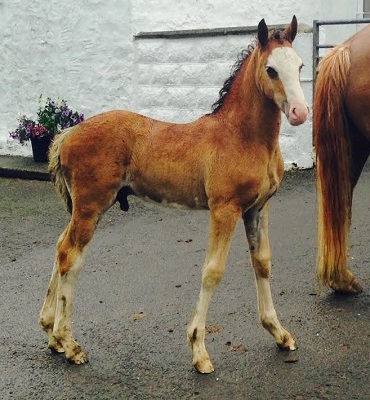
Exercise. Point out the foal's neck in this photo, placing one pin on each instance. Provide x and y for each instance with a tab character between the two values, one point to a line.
251	113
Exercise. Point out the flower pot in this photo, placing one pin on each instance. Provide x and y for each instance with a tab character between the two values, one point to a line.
40	148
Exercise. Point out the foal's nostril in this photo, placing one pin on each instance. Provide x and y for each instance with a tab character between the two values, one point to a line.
293	113
298	113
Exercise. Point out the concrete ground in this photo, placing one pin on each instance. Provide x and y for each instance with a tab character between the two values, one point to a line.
138	289
23	168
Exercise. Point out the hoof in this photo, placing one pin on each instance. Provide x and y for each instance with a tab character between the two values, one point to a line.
56	348
288	344
78	357
352	287
204	367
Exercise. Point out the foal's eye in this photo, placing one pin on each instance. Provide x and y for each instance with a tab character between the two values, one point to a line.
271	72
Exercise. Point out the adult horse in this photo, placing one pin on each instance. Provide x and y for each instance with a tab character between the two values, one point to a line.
228	161
342	141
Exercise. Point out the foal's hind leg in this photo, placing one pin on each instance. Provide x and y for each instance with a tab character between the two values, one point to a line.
47	314
222	226
55	316
69	258
256	227
62	332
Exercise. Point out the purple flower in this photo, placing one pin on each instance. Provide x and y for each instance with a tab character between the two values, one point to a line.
53	116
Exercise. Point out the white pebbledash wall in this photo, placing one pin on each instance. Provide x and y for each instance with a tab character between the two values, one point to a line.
90	53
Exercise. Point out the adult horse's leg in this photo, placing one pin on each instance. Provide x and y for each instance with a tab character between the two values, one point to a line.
344	281
337	272
360	150
222	227
256	227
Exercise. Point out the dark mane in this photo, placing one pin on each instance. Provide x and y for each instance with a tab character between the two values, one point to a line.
244	54
224	91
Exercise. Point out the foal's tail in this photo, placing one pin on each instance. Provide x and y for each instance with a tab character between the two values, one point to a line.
333	163
55	167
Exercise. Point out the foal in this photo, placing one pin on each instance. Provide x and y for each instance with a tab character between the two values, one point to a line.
228	162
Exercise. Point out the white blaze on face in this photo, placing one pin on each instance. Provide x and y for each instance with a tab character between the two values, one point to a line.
286	62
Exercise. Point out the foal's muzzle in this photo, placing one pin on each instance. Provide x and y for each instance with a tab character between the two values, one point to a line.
297	112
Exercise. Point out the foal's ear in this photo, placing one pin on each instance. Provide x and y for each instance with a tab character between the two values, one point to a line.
291	30
263	33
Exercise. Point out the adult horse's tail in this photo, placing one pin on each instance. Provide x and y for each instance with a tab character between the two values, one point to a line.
333	163
55	167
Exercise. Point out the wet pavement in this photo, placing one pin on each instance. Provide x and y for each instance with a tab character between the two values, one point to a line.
138	289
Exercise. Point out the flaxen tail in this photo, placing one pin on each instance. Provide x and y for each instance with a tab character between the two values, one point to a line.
55	167
333	163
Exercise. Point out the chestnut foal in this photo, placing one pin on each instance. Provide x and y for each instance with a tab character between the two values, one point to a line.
228	161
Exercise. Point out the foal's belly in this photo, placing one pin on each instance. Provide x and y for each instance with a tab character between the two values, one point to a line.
179	197
195	204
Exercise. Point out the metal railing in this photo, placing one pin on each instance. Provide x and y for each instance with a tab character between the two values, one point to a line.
316	39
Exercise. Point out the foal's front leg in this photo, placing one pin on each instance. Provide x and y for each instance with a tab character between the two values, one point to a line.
256	227
222	227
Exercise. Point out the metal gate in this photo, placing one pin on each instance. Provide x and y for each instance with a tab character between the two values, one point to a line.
316	39
316	46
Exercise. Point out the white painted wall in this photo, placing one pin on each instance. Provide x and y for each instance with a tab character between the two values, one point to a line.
79	51
86	54
147	15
